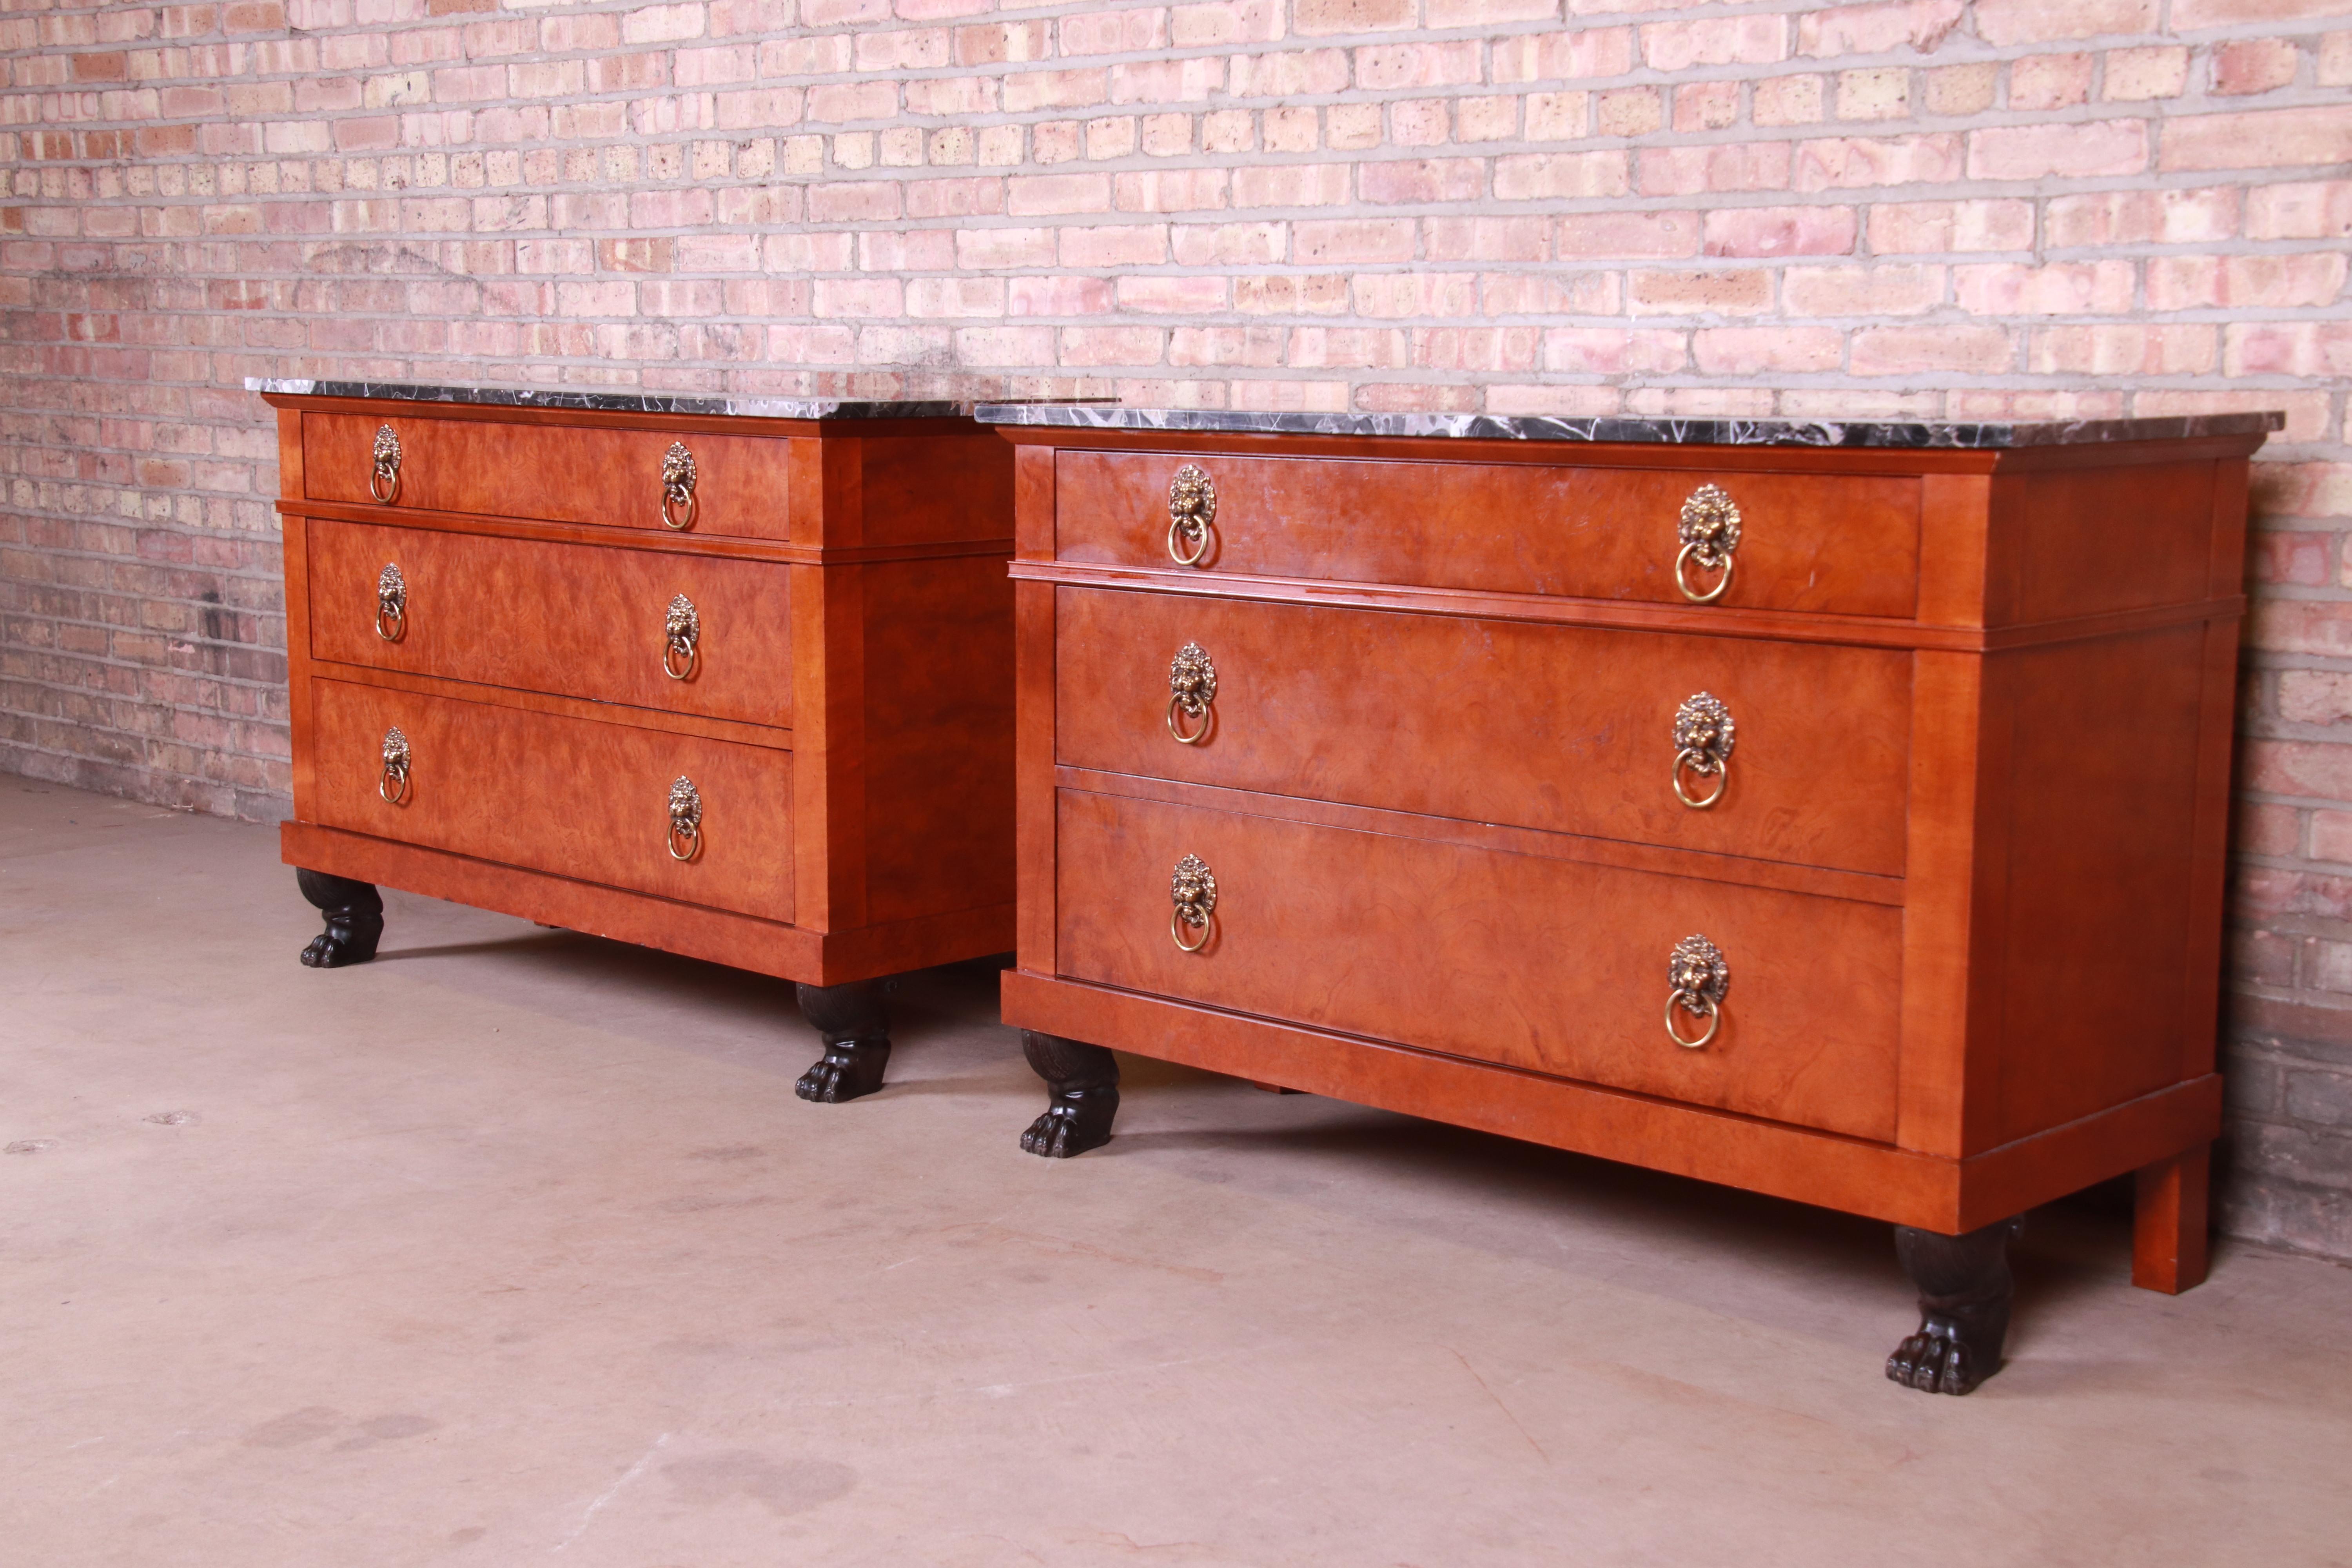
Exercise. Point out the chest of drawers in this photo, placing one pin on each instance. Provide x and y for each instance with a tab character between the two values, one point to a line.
1836	813
728	679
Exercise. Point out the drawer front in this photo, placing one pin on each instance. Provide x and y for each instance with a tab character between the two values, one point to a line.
566	618
1841	544
559	473
1570	728
572	796
1548	966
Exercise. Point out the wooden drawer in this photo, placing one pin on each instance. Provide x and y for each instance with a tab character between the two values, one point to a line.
1553	966
581	799
559	473
566	618
1568	729
1841	544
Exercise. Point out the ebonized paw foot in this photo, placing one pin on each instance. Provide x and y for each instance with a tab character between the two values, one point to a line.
355	912
1082	1081
857	1029
1965	1292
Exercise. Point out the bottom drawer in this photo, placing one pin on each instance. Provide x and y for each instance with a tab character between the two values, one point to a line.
572	796
1555	966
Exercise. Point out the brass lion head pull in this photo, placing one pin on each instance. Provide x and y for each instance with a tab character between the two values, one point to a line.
1191	508
1192	686
681	639
383	479
1193	889
677	502
1709	530
391	603
685	819
1699	977
1702	739
393	783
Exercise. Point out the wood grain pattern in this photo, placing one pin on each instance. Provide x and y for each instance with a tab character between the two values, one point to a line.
1809	541
564	618
1570	730
587	800
1547	965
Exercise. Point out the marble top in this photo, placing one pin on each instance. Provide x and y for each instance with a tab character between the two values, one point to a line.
1690	432
616	401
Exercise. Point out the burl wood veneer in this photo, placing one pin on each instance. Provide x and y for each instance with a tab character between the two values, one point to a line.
731	684
1838	821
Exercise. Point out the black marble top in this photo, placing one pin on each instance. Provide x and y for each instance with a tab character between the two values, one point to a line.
1691	432
726	406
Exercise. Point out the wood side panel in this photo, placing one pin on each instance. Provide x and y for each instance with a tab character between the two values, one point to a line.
1940	908
565	618
2101	872
1709	1145
935	489
938	736
2115	539
1567	730
1552	966
295	535
1033	770
1032	503
586	800
1954	510
290	454
562	473
2227	577
1810	541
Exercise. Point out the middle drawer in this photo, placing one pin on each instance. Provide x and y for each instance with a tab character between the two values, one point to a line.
577	620
1567	729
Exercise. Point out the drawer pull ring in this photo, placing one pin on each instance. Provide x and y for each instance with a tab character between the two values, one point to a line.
1710	532
682	639
677	502
1702	738
685	819
383	479
1699	977
393	784
391	603
1191	685
1191	508
1194	890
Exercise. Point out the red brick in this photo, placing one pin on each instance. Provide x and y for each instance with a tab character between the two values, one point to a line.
2275	138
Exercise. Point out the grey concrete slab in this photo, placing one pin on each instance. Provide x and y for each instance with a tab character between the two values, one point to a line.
515	1246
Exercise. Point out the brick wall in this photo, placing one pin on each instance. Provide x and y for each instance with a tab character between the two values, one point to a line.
2014	208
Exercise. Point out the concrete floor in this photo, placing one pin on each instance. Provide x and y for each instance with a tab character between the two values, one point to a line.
515	1246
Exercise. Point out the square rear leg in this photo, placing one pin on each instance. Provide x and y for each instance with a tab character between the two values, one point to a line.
2168	1222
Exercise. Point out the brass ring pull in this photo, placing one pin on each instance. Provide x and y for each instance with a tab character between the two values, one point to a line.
1191	508
1192	686
1194	890
1709	529
391	603
679	505
1699	979
1703	740
383	479
685	819
681	639
1701	1006
393	783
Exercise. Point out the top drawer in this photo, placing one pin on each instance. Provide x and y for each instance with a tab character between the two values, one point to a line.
559	473
1843	544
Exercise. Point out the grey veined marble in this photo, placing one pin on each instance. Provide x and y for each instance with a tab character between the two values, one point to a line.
1690	432
615	402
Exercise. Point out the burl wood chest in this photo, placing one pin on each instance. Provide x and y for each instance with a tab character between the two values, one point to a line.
731	679
1834	812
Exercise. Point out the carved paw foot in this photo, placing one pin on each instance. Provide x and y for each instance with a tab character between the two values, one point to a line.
1071	1127
1935	1359
343	942
355	912
847	1070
